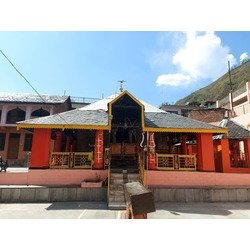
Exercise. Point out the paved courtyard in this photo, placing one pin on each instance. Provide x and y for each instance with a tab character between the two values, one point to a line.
92	210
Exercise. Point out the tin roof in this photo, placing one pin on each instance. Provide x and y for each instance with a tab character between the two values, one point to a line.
235	130
31	98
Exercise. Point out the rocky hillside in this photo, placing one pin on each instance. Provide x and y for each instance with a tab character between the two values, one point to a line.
218	89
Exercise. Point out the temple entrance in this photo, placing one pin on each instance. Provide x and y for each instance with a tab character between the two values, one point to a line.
126	132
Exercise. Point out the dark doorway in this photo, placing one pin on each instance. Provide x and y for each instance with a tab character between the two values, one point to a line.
13	147
125	134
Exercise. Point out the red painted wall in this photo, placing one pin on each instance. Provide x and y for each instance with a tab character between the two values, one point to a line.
183	178
223	163
205	153
51	177
40	152
225	155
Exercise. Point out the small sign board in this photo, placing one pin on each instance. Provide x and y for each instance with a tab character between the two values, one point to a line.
139	198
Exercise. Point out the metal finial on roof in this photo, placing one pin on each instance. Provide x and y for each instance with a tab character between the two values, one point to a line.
121	85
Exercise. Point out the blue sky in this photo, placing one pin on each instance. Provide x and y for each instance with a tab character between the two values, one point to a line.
157	66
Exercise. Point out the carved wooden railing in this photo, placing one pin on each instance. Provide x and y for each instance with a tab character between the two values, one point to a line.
187	162
166	161
71	160
107	158
108	182
176	162
141	163
28	159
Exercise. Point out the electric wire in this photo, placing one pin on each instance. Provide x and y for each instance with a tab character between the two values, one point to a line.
28	82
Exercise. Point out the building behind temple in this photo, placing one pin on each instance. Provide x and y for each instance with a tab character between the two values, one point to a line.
15	145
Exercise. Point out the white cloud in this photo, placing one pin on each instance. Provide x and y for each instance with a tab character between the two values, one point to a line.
173	79
243	56
201	57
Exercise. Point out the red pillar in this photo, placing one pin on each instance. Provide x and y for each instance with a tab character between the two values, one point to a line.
68	143
151	151
40	152
58	142
73	146
247	150
98	155
184	144
225	157
205	153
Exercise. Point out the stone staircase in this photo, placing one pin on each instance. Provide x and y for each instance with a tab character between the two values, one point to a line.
116	199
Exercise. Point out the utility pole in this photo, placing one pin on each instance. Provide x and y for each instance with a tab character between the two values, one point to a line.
230	91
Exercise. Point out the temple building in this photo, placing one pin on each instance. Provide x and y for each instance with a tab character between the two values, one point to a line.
119	139
117	132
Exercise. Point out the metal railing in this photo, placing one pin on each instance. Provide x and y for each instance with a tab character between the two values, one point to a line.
78	99
71	160
176	162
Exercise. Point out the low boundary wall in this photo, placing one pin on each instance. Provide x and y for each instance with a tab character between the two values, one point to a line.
199	179
51	194
198	194
51	177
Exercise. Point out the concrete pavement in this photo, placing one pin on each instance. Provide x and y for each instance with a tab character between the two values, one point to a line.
97	210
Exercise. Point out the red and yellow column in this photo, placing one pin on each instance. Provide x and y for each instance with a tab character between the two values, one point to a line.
151	151
98	154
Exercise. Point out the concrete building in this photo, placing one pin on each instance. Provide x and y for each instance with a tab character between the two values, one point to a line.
177	109
240	104
14	107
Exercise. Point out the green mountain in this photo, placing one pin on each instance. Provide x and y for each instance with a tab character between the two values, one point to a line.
219	89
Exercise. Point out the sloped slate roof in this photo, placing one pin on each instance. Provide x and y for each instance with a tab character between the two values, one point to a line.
169	120
31	98
103	104
96	115
73	117
235	130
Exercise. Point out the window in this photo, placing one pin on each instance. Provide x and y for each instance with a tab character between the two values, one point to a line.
172	112
27	142
39	113
2	141
15	115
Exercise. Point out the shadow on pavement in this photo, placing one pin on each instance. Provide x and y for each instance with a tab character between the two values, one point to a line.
77	205
199	208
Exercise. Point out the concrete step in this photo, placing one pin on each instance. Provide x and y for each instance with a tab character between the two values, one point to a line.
116	188
117	205
116	175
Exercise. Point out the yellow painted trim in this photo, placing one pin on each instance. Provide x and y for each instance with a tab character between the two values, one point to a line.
130	95
61	126
133	98
187	130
